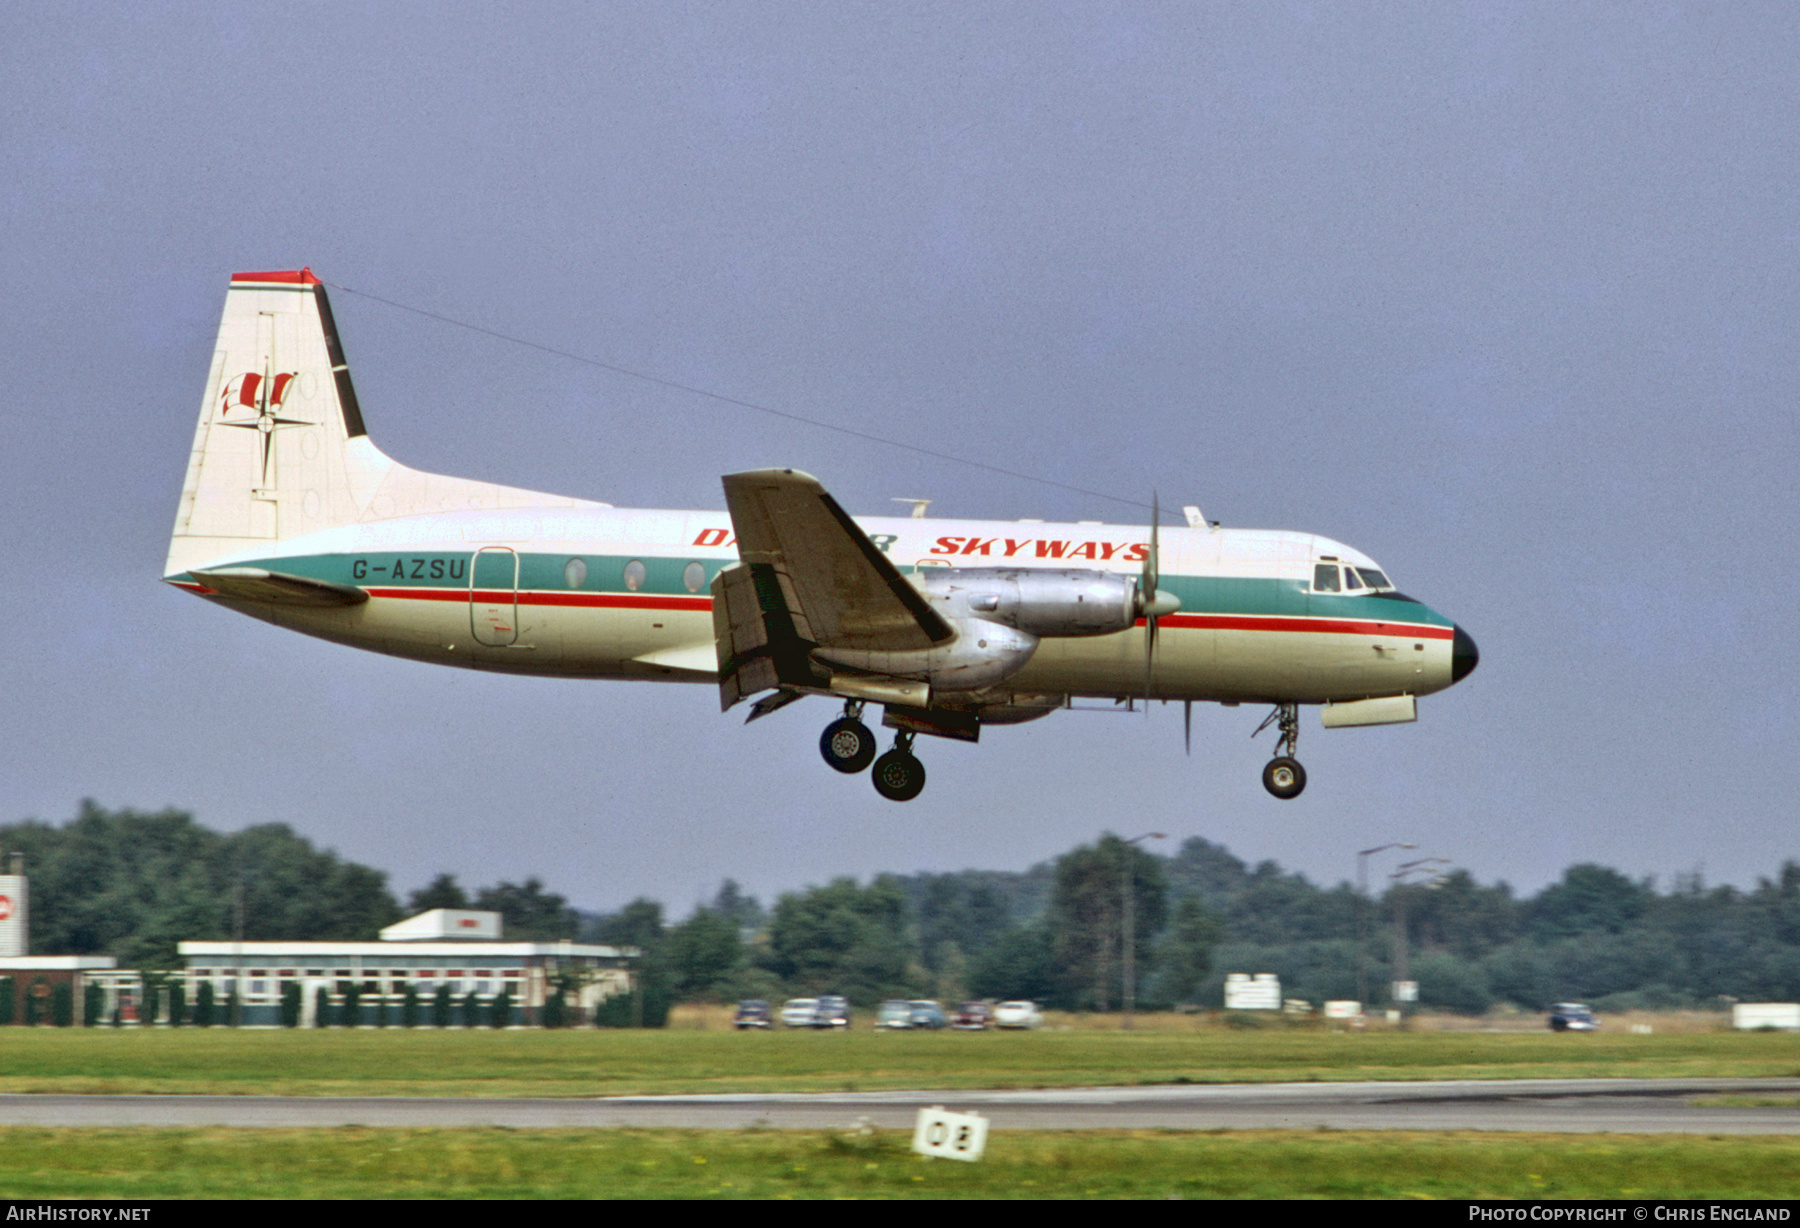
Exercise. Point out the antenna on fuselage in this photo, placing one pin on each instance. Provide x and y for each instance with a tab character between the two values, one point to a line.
918	506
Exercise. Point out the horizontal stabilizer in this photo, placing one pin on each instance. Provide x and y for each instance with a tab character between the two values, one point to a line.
276	587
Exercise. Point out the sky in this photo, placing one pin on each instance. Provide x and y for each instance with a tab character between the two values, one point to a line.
1504	295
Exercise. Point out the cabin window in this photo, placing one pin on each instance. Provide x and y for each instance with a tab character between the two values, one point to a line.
575	573
1325	578
694	577
634	575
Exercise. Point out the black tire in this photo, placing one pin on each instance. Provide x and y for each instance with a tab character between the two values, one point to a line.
1284	777
898	776
847	745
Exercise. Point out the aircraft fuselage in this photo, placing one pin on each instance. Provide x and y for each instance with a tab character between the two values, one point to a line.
554	592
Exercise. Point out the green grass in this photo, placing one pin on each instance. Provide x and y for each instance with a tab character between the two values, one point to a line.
491	1163
621	1163
396	1062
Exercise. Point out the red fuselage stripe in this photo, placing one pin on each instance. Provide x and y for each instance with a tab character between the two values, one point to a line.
649	601
504	596
1330	626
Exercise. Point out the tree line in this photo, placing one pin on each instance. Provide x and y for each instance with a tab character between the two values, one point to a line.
132	885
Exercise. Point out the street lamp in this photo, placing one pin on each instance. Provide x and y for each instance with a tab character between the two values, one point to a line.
1431	878
1362	919
1129	934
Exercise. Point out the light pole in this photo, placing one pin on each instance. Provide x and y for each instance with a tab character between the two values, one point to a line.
1362	920
1128	936
1398	878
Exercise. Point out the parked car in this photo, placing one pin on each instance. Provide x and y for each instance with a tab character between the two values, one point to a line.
799	1012
1572	1017
1017	1015
832	1012
894	1014
925	1015
753	1013
973	1017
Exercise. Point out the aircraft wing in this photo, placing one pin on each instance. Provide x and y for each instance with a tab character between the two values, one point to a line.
809	578
848	591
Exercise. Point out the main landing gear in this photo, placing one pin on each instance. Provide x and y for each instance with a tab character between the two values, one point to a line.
848	745
1284	777
898	776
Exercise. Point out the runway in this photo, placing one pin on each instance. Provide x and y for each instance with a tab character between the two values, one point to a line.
1631	1106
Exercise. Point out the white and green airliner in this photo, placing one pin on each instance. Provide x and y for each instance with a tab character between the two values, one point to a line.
292	515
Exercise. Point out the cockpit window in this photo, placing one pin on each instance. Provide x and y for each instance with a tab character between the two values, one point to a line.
1351	583
1325	578
1373	578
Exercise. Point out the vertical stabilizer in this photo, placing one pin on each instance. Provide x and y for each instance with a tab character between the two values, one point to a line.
281	451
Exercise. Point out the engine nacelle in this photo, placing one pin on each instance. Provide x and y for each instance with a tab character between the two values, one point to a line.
982	654
1038	601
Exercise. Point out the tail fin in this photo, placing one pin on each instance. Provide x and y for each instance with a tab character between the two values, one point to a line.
281	450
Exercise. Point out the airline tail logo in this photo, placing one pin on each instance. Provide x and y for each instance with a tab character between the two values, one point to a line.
263	396
247	388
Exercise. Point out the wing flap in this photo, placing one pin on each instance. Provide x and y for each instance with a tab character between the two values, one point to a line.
760	641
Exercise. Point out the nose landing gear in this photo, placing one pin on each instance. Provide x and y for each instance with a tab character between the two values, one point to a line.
1284	777
898	776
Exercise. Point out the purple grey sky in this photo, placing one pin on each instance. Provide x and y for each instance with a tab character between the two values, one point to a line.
1505	295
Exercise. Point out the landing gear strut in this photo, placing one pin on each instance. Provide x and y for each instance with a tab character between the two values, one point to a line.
1284	777
898	776
847	744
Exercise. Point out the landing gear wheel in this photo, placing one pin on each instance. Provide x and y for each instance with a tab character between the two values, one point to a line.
898	776
848	745
1284	777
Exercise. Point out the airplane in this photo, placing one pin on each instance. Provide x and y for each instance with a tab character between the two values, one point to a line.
291	514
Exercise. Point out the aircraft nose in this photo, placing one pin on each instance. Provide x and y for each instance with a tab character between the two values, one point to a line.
1464	656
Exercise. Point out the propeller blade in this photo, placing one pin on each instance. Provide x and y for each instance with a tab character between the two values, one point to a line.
1153	564
1147	598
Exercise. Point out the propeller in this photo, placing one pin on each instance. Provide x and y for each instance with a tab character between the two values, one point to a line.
1152	602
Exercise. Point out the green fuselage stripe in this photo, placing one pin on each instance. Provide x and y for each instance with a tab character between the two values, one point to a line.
439	575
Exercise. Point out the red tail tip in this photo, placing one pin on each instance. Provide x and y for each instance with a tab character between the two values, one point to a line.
291	277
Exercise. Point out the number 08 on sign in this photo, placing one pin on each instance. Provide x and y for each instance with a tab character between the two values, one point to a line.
951	1136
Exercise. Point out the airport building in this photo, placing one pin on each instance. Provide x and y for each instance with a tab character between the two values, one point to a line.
39	988
446	967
